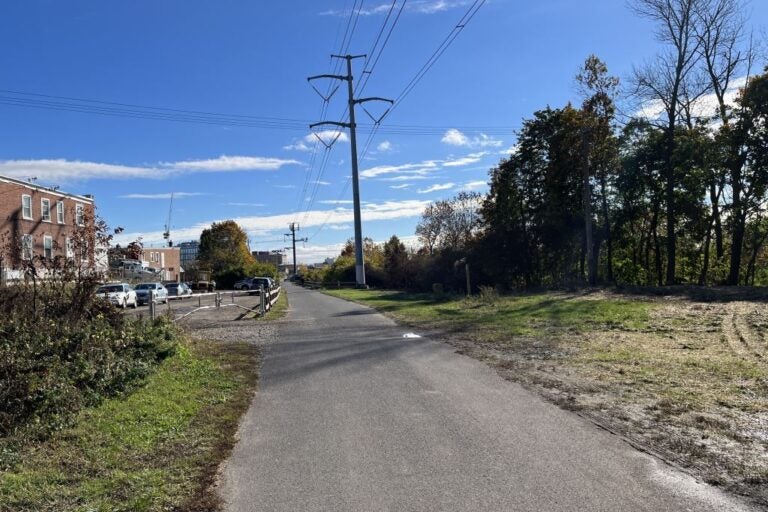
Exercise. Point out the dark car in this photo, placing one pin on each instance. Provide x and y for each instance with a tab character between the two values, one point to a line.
254	283
178	289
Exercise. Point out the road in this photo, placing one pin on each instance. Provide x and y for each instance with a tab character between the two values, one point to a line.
353	416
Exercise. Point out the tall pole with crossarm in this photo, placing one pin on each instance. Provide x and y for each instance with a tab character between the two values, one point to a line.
359	261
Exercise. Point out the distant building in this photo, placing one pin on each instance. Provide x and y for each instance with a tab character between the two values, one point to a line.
275	258
42	222
188	255
165	259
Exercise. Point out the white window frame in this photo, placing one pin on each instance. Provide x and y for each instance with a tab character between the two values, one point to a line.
25	198
60	212
43	203
69	249
80	215
27	247
48	247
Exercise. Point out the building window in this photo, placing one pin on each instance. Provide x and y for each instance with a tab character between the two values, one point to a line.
26	206
48	247
45	209
70	251
79	215
26	247
60	212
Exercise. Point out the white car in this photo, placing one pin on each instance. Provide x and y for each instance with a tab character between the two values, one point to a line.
119	294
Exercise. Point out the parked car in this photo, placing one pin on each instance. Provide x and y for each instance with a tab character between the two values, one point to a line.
254	283
143	292
119	294
178	289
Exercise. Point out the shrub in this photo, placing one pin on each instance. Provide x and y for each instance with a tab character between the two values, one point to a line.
62	349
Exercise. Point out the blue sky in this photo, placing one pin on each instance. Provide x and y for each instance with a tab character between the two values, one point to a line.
249	58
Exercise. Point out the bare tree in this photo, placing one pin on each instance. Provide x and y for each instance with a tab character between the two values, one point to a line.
663	81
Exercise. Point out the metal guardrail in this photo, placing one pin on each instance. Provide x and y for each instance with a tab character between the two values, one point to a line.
266	301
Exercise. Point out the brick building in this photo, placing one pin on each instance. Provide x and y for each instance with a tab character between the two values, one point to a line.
165	259
36	221
275	258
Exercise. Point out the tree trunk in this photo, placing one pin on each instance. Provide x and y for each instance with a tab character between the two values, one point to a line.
670	196
714	196
738	220
607	228
586	204
705	266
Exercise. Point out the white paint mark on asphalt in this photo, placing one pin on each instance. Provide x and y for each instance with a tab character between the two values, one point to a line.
411	335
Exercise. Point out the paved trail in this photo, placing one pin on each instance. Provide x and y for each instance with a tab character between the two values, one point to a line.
352	416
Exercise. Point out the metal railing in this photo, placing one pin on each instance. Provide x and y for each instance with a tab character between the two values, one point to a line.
267	299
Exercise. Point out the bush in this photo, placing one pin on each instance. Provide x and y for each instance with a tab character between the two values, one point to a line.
62	349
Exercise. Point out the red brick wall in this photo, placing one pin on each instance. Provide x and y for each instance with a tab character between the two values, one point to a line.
171	259
13	224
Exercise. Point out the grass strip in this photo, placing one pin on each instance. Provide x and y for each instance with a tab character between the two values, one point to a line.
155	449
521	315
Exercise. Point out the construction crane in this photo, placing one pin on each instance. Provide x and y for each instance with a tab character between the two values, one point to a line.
167	232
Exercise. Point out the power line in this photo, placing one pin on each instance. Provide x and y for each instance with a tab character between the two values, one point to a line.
212	118
440	50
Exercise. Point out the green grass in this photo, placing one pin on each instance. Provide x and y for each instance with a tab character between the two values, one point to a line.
156	449
527	315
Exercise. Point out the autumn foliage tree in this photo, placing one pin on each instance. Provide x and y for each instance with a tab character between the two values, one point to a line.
224	250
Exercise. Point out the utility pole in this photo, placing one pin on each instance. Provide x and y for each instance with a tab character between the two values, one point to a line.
294	228
359	262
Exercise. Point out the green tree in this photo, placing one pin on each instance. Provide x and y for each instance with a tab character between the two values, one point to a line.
746	143
224	249
395	263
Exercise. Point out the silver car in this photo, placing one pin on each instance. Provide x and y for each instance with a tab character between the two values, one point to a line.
143	292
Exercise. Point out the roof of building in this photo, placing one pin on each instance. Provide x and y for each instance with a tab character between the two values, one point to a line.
40	188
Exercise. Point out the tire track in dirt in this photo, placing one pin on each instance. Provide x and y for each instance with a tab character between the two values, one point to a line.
739	336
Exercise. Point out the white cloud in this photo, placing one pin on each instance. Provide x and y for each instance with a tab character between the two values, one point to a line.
319	182
327	136
336	201
472	158
473	185
60	170
309	141
340	227
245	204
511	150
384	147
167	195
297	146
226	163
284	186
415	6
67	170
420	168
275	224
437	187
706	106
454	137
400	187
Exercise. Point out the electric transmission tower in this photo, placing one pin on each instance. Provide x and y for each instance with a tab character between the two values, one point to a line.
359	263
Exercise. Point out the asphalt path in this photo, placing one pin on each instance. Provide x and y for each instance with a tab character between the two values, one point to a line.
353	416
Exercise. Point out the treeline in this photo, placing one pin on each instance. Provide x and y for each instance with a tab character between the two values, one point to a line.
675	194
